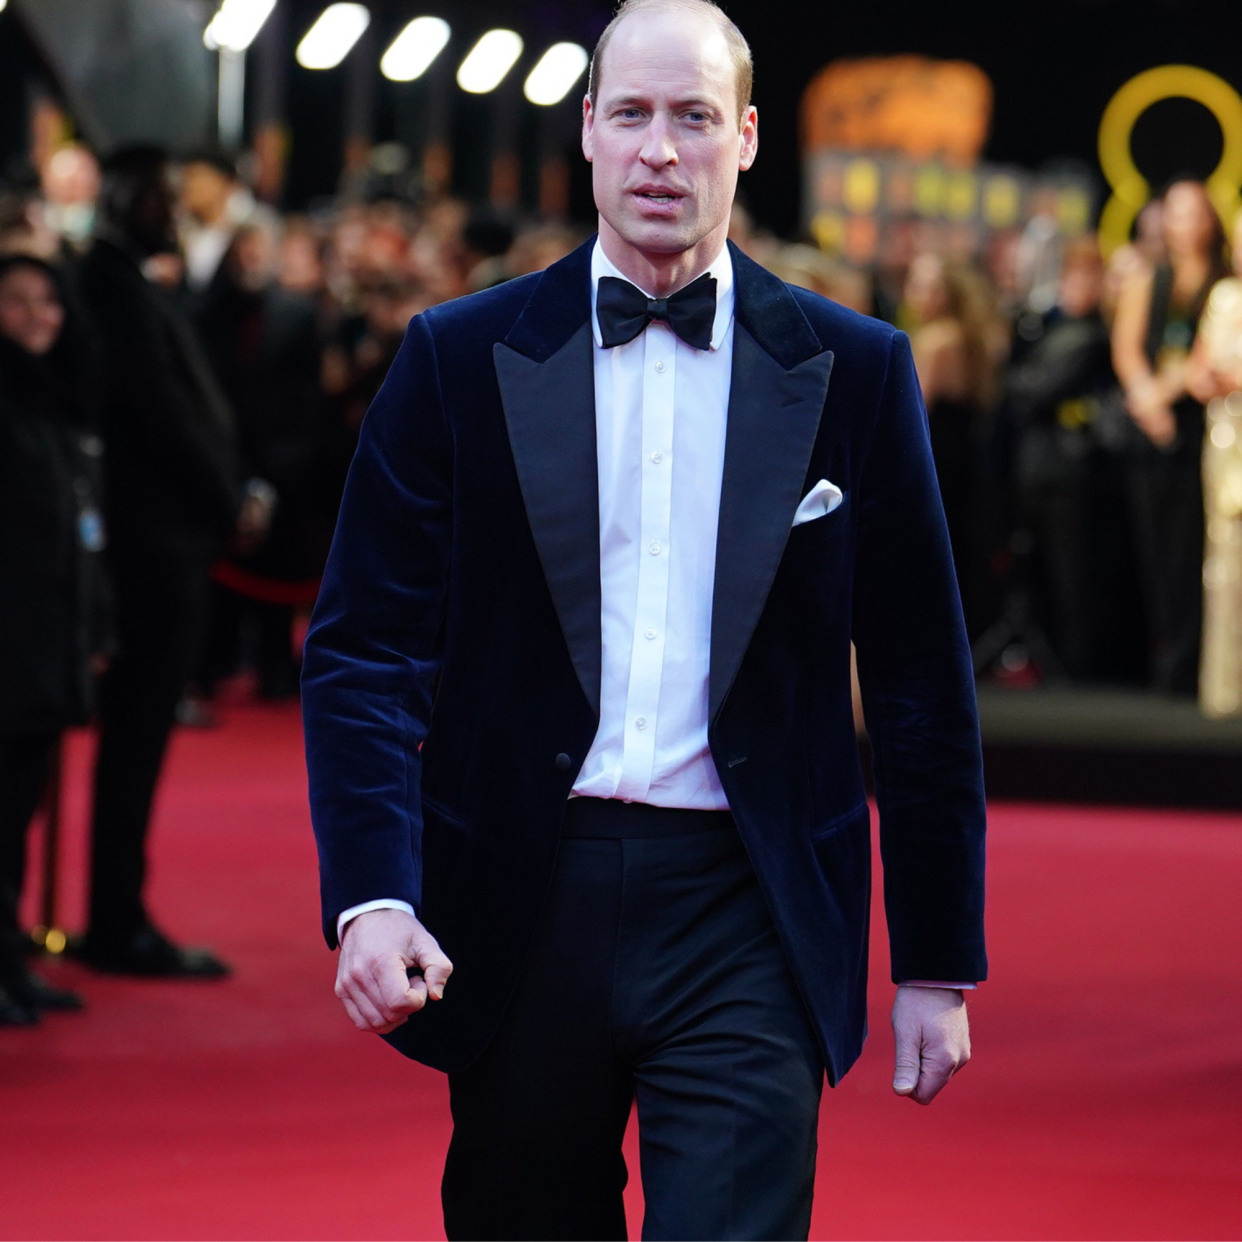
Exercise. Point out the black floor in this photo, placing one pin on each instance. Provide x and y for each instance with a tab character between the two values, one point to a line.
1120	747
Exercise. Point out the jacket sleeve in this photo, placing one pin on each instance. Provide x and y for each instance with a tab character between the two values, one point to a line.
918	694
373	647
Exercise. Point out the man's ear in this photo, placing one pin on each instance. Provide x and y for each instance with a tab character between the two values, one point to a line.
588	128
750	138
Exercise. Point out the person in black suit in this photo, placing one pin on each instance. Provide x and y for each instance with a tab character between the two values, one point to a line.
577	697
172	501
54	607
1068	471
263	343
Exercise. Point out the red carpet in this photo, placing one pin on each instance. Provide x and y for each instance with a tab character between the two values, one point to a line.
1105	1099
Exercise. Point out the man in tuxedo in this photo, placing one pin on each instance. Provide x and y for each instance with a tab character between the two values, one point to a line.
577	697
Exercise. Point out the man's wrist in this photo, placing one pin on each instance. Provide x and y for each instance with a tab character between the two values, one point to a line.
382	903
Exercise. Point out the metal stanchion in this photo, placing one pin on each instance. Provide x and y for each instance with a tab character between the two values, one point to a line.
48	934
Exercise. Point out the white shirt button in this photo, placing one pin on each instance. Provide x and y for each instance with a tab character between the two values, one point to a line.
659	366
649	633
641	722
654	549
657	458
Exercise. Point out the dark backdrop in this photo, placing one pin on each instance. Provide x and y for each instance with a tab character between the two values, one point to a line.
1054	66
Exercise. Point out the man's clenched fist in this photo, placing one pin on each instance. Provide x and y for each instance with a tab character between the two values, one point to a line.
378	949
933	1040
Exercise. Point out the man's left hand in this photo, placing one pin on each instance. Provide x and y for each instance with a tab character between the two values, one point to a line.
933	1040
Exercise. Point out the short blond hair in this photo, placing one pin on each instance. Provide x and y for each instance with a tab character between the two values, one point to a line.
739	49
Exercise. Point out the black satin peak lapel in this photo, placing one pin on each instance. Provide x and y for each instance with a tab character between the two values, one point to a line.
550	412
768	311
774	416
558	307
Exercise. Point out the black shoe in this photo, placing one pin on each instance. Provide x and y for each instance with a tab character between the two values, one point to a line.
32	991
13	1013
148	953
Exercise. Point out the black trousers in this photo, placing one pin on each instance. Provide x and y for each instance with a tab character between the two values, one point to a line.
1166	502
25	763
161	604
657	976
1085	579
241	630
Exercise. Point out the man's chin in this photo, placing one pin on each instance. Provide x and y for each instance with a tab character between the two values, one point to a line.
658	241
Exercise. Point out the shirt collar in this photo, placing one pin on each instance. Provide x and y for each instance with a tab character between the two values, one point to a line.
721	268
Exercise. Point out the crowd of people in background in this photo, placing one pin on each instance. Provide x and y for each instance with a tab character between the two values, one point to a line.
183	372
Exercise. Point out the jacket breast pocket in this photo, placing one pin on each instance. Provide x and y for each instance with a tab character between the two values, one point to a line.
831	525
817	551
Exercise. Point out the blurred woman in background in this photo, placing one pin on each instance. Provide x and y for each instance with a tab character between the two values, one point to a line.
1157	315
958	343
52	619
1215	378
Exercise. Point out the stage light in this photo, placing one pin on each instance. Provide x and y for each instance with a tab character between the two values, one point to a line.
414	49
488	61
236	23
558	69
336	30
4	4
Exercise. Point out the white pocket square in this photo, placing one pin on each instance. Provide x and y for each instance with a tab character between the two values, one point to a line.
823	498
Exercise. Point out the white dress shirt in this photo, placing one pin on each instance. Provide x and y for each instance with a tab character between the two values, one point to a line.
660	412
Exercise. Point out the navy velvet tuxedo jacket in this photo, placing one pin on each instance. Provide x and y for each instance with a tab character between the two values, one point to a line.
452	670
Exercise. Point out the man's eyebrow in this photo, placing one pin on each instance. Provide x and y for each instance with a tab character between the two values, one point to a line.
631	101
627	101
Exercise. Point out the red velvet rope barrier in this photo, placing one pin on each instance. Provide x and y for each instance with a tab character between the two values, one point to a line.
265	590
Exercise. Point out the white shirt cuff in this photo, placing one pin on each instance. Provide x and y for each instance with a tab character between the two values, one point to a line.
382	903
930	983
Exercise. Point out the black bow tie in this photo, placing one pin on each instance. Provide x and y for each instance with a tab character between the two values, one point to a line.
624	311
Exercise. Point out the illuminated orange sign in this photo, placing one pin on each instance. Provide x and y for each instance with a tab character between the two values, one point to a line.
921	108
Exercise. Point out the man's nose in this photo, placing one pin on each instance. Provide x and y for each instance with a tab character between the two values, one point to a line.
658	149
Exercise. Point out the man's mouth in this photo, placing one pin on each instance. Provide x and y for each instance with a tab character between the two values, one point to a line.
657	195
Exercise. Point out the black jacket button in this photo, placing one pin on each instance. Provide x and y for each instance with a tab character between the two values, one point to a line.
562	763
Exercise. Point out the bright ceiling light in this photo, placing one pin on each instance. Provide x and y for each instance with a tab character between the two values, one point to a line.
328	41
558	69
236	23
488	61
414	49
